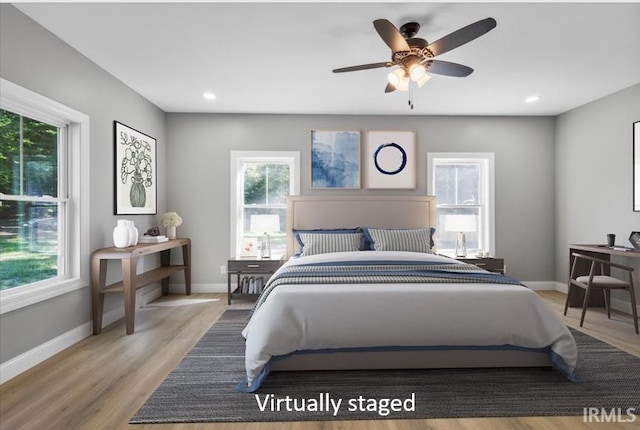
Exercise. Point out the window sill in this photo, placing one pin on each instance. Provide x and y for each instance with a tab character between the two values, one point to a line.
20	297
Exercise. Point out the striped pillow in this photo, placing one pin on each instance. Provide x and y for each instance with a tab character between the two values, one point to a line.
323	243
412	240
300	244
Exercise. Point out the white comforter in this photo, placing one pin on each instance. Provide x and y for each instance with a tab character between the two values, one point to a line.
311	317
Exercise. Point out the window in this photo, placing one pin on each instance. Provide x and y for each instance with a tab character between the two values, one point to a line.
42	253
463	184
261	180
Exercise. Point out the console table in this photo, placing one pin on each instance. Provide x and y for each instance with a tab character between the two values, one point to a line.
131	280
602	252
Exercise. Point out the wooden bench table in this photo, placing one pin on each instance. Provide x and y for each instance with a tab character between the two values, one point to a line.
131	280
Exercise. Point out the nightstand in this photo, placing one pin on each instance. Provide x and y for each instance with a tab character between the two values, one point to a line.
251	276
495	265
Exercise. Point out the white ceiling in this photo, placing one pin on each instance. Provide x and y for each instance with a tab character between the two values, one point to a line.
277	58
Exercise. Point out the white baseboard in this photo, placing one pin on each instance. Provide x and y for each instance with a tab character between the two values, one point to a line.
540	285
25	361
199	288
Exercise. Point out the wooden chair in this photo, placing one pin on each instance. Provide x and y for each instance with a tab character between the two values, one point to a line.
601	282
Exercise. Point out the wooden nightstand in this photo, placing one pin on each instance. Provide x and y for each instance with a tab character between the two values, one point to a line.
495	265
248	284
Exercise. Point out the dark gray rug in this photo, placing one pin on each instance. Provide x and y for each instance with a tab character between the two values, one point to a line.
201	387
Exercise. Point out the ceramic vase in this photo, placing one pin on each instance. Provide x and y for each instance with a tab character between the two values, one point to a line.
133	233
121	234
171	232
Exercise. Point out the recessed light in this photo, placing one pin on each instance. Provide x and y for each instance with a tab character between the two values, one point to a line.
532	99
209	96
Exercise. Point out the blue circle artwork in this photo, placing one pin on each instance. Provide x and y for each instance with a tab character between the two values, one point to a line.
396	147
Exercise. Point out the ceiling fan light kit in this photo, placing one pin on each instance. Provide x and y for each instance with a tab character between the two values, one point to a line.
415	57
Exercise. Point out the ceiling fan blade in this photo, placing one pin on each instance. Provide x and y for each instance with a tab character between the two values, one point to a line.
363	67
462	36
391	36
389	88
440	67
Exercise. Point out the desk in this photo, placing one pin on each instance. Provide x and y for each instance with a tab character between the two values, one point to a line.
599	251
131	280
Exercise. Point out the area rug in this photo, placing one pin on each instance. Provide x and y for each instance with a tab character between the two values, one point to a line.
201	388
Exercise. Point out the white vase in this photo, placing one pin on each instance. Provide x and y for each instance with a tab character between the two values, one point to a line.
171	232
121	234
133	233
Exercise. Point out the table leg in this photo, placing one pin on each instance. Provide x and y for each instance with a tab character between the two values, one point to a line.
129	268
186	261
98	280
165	260
228	287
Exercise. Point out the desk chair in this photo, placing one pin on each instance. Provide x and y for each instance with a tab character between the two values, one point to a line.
603	283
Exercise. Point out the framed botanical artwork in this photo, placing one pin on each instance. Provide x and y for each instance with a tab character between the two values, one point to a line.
135	171
391	159
335	159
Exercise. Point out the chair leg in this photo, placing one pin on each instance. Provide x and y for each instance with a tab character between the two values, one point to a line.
607	296
585	304
634	311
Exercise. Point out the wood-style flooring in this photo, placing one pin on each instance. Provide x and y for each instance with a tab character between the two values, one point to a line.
102	381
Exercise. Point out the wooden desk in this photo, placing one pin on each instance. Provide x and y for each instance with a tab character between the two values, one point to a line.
582	268
131	280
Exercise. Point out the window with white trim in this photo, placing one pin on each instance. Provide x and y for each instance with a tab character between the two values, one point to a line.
463	184
43	238
260	182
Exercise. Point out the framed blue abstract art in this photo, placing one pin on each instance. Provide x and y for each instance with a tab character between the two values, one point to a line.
335	159
391	159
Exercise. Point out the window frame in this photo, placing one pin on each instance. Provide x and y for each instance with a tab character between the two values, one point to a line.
238	158
74	229
487	179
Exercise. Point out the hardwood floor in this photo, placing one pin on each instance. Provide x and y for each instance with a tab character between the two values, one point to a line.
103	380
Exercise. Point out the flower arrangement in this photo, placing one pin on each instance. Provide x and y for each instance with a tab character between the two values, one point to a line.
171	219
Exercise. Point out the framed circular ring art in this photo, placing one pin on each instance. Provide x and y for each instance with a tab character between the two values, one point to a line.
391	159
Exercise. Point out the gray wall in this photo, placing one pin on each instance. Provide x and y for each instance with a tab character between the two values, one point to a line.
32	57
198	153
594	175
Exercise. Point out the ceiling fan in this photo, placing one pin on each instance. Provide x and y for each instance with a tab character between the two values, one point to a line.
415	56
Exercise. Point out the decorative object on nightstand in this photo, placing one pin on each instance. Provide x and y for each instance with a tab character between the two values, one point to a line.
245	269
171	220
461	224
265	224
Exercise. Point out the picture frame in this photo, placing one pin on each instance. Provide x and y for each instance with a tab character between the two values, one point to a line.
249	247
391	160
135	185
335	159
636	166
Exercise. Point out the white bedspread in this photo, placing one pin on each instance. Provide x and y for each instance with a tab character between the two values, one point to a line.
312	317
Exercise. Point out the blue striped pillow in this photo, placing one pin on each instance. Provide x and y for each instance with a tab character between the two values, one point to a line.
323	243
296	234
412	240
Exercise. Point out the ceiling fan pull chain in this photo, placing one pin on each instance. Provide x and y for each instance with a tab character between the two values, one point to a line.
410	102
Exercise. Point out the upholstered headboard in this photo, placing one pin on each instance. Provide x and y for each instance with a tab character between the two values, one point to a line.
313	212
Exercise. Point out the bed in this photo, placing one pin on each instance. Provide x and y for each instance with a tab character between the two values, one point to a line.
395	306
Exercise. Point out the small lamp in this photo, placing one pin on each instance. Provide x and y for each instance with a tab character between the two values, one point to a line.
266	224
461	224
